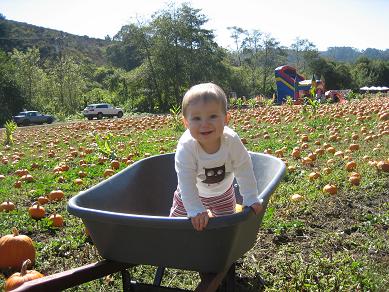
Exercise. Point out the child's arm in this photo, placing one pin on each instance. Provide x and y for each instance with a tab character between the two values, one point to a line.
244	174
186	168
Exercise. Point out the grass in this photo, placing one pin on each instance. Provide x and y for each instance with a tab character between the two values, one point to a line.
322	243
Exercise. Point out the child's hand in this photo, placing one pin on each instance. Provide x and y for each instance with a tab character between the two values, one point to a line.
257	207
200	221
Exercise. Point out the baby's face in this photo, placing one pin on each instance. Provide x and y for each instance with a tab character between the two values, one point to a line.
206	121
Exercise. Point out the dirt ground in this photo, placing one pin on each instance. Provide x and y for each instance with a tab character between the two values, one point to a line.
333	231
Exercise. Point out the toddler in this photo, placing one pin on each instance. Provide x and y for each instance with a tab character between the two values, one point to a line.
209	155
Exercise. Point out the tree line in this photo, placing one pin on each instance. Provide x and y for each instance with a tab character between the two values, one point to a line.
153	62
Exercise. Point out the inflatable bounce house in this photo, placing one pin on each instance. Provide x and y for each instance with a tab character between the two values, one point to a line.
290	83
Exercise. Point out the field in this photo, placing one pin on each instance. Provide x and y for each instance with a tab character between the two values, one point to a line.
326	226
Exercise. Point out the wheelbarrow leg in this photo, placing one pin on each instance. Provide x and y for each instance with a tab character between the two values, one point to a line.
126	280
158	276
228	284
222	282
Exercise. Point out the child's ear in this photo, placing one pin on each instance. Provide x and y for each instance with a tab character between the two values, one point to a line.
227	118
185	122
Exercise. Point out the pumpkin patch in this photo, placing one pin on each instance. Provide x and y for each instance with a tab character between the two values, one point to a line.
337	163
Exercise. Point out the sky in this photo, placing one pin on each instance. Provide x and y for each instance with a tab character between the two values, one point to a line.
359	24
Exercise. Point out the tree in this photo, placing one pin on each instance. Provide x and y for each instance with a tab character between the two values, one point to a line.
368	72
11	98
251	49
126	48
183	52
28	73
67	84
271	55
301	48
237	34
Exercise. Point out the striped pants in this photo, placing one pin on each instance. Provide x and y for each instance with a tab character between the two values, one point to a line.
219	205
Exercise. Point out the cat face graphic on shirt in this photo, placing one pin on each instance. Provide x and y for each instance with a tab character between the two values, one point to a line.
214	175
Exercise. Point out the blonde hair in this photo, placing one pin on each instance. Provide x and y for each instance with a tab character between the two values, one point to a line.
205	92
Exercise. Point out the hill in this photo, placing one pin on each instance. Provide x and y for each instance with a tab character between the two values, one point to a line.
51	42
349	54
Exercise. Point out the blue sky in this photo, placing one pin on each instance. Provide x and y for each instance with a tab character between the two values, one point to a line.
355	23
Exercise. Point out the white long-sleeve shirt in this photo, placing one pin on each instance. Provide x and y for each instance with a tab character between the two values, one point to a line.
209	175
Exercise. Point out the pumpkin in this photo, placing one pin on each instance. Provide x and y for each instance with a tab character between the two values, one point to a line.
355	180
296	197
279	153
108	172
330	189
312	156
56	219
17	279
296	153
313	175
304	138
36	211
291	168
307	161
383	166
56	195
18	184
78	181
14	249
27	178
43	200
115	164
7	206
81	174
351	165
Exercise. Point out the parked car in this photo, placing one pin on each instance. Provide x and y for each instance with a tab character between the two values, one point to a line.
100	110
32	117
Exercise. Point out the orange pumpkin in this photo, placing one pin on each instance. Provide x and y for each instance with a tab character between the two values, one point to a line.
296	197
115	164
18	184
36	211
17	279
313	175
56	195
354	147
383	166
56	219
43	200
351	165
78	181
108	172
330	189
355	180
296	153
7	206
14	249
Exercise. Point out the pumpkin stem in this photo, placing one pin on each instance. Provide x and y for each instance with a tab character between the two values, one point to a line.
25	265
15	231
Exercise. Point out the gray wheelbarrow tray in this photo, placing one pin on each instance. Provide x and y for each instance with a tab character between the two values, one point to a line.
127	218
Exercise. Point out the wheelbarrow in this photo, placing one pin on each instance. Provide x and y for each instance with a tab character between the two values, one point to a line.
127	217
